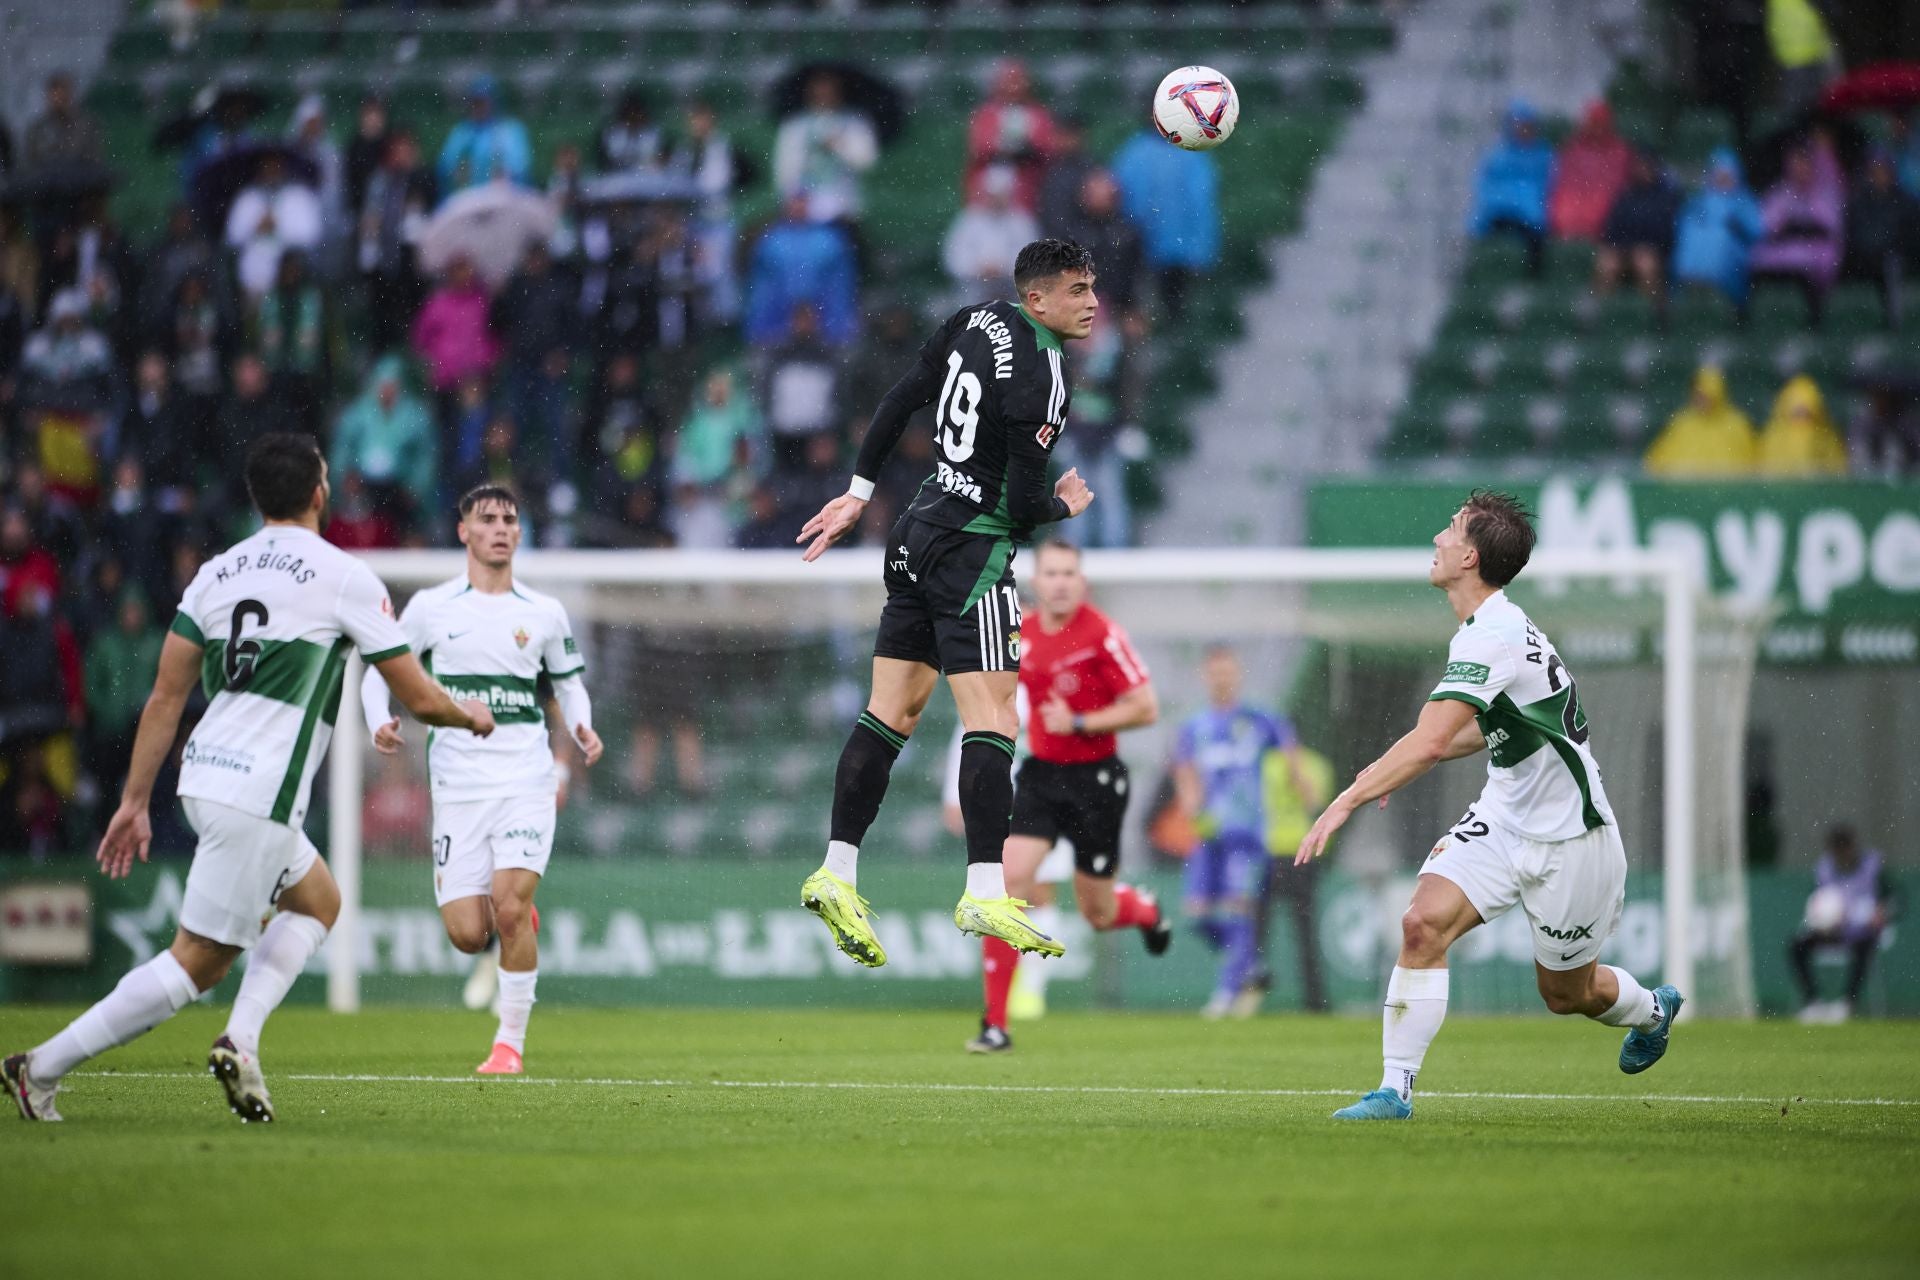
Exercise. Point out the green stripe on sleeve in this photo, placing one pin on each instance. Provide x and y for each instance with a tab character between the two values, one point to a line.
384	654
1454	695
187	629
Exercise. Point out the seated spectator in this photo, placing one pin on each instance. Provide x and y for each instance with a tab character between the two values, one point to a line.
121	664
801	490
630	142
33	812
367	149
309	135
1887	432
1883	228
91	257
800	388
26	565
1013	130
1708	439
798	261
399	196
463	425
181	251
625	505
1172	196
536	316
763	529
272	215
64	133
386	437
715	460
157	432
66	365
563	192
1588	176
129	530
1118	255
52	517
1062	188
1803	218
707	156
1853	902
290	333
1637	237
1718	227
1510	195
451	334
986	236
486	146
820	154
1799	440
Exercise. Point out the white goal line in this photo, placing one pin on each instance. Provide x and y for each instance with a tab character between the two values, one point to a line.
1141	1091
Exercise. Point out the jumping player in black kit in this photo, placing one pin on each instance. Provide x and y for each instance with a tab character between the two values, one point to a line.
995	374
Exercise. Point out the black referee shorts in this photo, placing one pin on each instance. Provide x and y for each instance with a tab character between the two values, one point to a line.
951	602
1086	803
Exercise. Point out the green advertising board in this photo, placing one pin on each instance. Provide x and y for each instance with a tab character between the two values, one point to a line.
1837	564
657	932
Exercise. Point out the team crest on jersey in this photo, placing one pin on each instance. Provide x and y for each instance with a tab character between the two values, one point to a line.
520	636
1013	647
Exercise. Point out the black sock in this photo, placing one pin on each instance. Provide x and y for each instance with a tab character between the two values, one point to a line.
986	793
860	784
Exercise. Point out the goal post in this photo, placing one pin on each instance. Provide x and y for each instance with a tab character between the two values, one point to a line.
1354	605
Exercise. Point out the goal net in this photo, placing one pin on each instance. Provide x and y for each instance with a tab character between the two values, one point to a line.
724	685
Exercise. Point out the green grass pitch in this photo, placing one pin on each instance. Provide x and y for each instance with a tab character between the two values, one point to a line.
764	1144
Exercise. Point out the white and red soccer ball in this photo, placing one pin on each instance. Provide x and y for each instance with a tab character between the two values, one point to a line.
1196	108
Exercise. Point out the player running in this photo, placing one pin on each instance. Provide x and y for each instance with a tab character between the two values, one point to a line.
1218	773
998	376
264	628
487	637
1084	683
1541	834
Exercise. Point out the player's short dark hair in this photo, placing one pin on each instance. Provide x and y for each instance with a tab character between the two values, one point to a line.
1500	528
488	493
1056	544
283	468
1045	259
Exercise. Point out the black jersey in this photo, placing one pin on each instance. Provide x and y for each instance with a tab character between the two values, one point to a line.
998	384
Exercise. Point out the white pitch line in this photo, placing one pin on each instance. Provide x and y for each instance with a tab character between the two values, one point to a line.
603	1082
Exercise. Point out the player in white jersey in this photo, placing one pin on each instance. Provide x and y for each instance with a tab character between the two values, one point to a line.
1541	834
265	629
484	636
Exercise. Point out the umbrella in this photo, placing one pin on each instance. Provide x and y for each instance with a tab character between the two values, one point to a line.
1879	86
490	226
878	99
219	180
639	187
232	101
67	180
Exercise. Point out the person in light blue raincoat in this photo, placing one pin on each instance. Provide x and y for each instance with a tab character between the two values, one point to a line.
1719	225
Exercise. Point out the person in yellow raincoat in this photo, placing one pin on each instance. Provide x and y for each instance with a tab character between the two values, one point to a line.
1709	438
1296	784
1799	440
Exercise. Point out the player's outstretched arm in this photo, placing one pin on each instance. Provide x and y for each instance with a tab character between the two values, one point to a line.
836	520
1469	741
130	832
379	713
1419	750
430	704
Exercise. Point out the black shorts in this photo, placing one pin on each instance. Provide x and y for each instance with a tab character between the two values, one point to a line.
1086	803
951	602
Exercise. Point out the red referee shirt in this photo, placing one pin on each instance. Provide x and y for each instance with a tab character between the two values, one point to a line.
1090	663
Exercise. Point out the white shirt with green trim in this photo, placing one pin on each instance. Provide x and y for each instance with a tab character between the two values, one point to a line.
274	615
1542	780
492	647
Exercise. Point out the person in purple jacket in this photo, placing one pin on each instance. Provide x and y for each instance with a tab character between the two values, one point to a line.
1803	218
1852	904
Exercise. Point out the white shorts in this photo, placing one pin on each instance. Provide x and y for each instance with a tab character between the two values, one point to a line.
1573	890
472	839
240	867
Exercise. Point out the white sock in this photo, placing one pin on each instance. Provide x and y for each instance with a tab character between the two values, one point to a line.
1636	1006
145	998
1416	1006
841	858
276	960
986	880
516	1006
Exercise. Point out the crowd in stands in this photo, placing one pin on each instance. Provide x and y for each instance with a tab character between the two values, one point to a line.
642	368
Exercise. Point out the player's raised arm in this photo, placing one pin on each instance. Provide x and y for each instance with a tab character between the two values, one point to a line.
427	701
1421	748
914	392
131	830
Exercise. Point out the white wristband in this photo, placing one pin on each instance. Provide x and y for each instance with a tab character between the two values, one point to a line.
861	488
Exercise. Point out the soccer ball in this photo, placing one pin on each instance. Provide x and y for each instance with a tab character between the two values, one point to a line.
1196	108
1826	909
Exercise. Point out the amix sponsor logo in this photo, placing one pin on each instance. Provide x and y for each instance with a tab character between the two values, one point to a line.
522	833
1575	934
